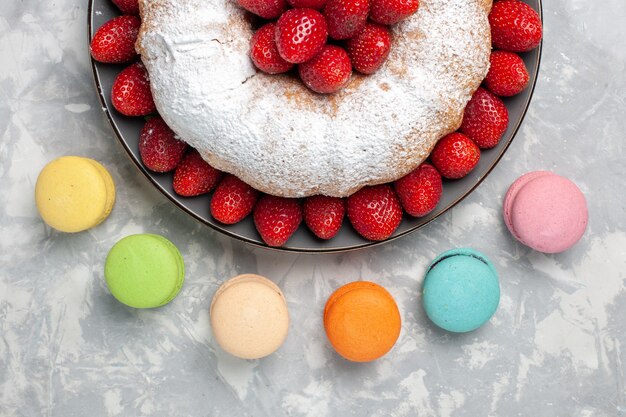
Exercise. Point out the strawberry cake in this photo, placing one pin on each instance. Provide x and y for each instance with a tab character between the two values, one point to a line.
284	139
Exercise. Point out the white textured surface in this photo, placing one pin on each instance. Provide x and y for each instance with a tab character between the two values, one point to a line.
279	137
556	347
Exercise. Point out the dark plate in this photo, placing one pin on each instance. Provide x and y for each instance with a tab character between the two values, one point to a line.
127	131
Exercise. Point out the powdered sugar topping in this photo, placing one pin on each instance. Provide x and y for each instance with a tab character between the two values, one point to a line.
281	138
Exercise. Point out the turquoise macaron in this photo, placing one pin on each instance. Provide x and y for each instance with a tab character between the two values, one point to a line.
460	291
144	271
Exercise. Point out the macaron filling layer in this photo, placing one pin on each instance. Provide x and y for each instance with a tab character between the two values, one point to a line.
110	187
463	252
181	268
512	193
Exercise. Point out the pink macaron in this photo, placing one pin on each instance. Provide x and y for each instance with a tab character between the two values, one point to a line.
545	211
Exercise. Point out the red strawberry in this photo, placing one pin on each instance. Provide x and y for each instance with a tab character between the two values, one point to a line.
277	218
389	12
307	4
324	215
328	71
159	147
232	200
369	48
131	93
455	155
420	190
300	34
507	75
515	26
114	42
375	212
194	176
267	9
485	119
346	18
264	52
128	6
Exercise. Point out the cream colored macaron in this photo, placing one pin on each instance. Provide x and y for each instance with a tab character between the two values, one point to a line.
249	316
74	193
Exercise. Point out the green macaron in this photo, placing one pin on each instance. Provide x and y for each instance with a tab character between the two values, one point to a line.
144	271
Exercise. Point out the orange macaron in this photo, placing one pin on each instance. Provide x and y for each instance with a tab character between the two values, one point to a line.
362	321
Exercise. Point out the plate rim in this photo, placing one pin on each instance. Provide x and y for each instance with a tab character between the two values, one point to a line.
368	244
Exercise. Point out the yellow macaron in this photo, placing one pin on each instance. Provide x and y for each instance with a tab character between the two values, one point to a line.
74	193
